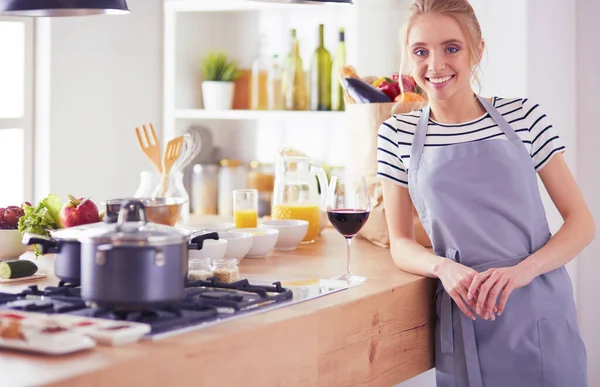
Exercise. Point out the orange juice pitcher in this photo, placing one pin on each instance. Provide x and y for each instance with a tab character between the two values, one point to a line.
300	192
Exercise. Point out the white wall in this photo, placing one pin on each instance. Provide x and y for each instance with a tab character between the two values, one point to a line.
105	80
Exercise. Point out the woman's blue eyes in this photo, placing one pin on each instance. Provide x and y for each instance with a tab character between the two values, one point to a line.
450	50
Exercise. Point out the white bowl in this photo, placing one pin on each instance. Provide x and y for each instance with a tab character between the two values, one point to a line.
211	248
291	232
216	226
11	245
238	243
263	243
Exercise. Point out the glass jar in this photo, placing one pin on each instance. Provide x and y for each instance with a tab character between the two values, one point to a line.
205	189
232	176
226	270
261	178
199	269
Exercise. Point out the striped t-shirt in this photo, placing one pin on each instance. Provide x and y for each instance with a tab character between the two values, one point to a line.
525	117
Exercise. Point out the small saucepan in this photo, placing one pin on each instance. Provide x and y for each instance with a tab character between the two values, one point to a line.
64	243
133	265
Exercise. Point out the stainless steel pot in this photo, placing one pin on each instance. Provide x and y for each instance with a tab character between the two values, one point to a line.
135	264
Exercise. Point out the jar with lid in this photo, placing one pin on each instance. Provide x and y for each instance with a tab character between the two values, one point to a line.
199	269
226	270
232	176
205	189
260	177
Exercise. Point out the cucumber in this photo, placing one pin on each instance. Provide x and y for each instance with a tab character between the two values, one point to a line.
17	269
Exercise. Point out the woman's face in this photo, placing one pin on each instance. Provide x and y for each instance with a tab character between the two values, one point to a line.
439	56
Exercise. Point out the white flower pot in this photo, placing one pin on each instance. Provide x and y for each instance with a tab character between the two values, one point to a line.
217	95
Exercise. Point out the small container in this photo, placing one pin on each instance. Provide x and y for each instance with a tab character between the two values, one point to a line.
226	270
199	269
232	176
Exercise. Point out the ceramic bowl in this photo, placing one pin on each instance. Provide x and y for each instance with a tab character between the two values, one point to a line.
215	226
238	243
11	245
263	243
291	232
214	249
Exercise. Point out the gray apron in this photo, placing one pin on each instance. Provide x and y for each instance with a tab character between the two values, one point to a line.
479	202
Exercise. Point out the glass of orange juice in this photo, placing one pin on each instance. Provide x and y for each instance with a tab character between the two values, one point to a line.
245	208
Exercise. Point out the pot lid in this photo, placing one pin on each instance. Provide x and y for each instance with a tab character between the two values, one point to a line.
138	233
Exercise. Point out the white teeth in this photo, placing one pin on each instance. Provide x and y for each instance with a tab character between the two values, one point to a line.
440	80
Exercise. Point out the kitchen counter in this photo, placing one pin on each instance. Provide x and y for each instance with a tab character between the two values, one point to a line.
377	334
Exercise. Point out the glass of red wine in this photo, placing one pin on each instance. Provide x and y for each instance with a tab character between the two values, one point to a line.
348	209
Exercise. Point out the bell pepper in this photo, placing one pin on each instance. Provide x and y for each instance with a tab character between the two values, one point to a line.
391	89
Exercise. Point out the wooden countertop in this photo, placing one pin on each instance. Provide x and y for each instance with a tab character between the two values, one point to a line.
376	334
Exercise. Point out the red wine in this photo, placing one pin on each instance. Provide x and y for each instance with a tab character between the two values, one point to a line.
348	222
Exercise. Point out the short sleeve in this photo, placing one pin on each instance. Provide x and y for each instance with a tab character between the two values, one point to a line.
545	142
389	164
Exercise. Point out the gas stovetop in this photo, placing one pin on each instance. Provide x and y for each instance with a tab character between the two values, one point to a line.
205	303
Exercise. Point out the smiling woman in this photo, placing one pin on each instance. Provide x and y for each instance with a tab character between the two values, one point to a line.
16	110
470	166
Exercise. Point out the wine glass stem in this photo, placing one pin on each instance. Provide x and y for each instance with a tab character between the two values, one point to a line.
349	257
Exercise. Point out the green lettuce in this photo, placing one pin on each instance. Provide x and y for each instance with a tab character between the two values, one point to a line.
42	218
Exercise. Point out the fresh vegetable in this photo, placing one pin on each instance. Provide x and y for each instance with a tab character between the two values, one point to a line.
349	71
408	83
17	269
42	218
362	92
391	89
76	212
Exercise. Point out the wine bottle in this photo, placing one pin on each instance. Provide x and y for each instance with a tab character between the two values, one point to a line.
339	61
274	87
294	87
258	89
320	76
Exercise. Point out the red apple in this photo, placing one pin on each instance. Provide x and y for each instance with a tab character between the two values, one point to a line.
80	211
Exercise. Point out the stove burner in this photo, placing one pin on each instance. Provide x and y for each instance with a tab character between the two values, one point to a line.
204	301
68	284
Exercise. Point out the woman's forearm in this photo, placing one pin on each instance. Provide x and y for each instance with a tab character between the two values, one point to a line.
573	236
411	257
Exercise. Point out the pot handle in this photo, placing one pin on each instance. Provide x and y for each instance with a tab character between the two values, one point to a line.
48	245
197	241
130	206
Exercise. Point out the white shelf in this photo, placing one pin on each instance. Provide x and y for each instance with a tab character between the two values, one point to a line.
196	114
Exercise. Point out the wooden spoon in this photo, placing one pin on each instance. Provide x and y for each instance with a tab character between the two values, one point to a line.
150	146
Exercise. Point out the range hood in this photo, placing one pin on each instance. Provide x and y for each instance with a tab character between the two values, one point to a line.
306	1
62	8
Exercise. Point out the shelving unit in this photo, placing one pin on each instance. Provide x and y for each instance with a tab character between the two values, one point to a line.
193	27
201	114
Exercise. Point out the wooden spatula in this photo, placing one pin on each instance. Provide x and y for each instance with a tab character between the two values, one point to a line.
172	153
150	146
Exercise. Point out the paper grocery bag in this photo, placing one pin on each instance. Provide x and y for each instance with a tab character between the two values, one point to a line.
364	121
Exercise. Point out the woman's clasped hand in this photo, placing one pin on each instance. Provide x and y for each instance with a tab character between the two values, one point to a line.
485	293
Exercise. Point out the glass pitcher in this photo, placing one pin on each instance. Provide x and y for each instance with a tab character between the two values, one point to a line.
296	194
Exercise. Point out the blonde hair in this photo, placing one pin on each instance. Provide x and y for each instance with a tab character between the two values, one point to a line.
459	10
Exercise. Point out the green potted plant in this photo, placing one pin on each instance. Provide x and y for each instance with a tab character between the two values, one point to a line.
218	72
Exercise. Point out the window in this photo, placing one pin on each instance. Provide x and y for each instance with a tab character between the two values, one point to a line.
16	110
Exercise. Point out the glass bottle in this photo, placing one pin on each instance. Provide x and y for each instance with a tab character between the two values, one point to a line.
294	86
205	189
320	76
232	176
274	86
260	68
339	61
